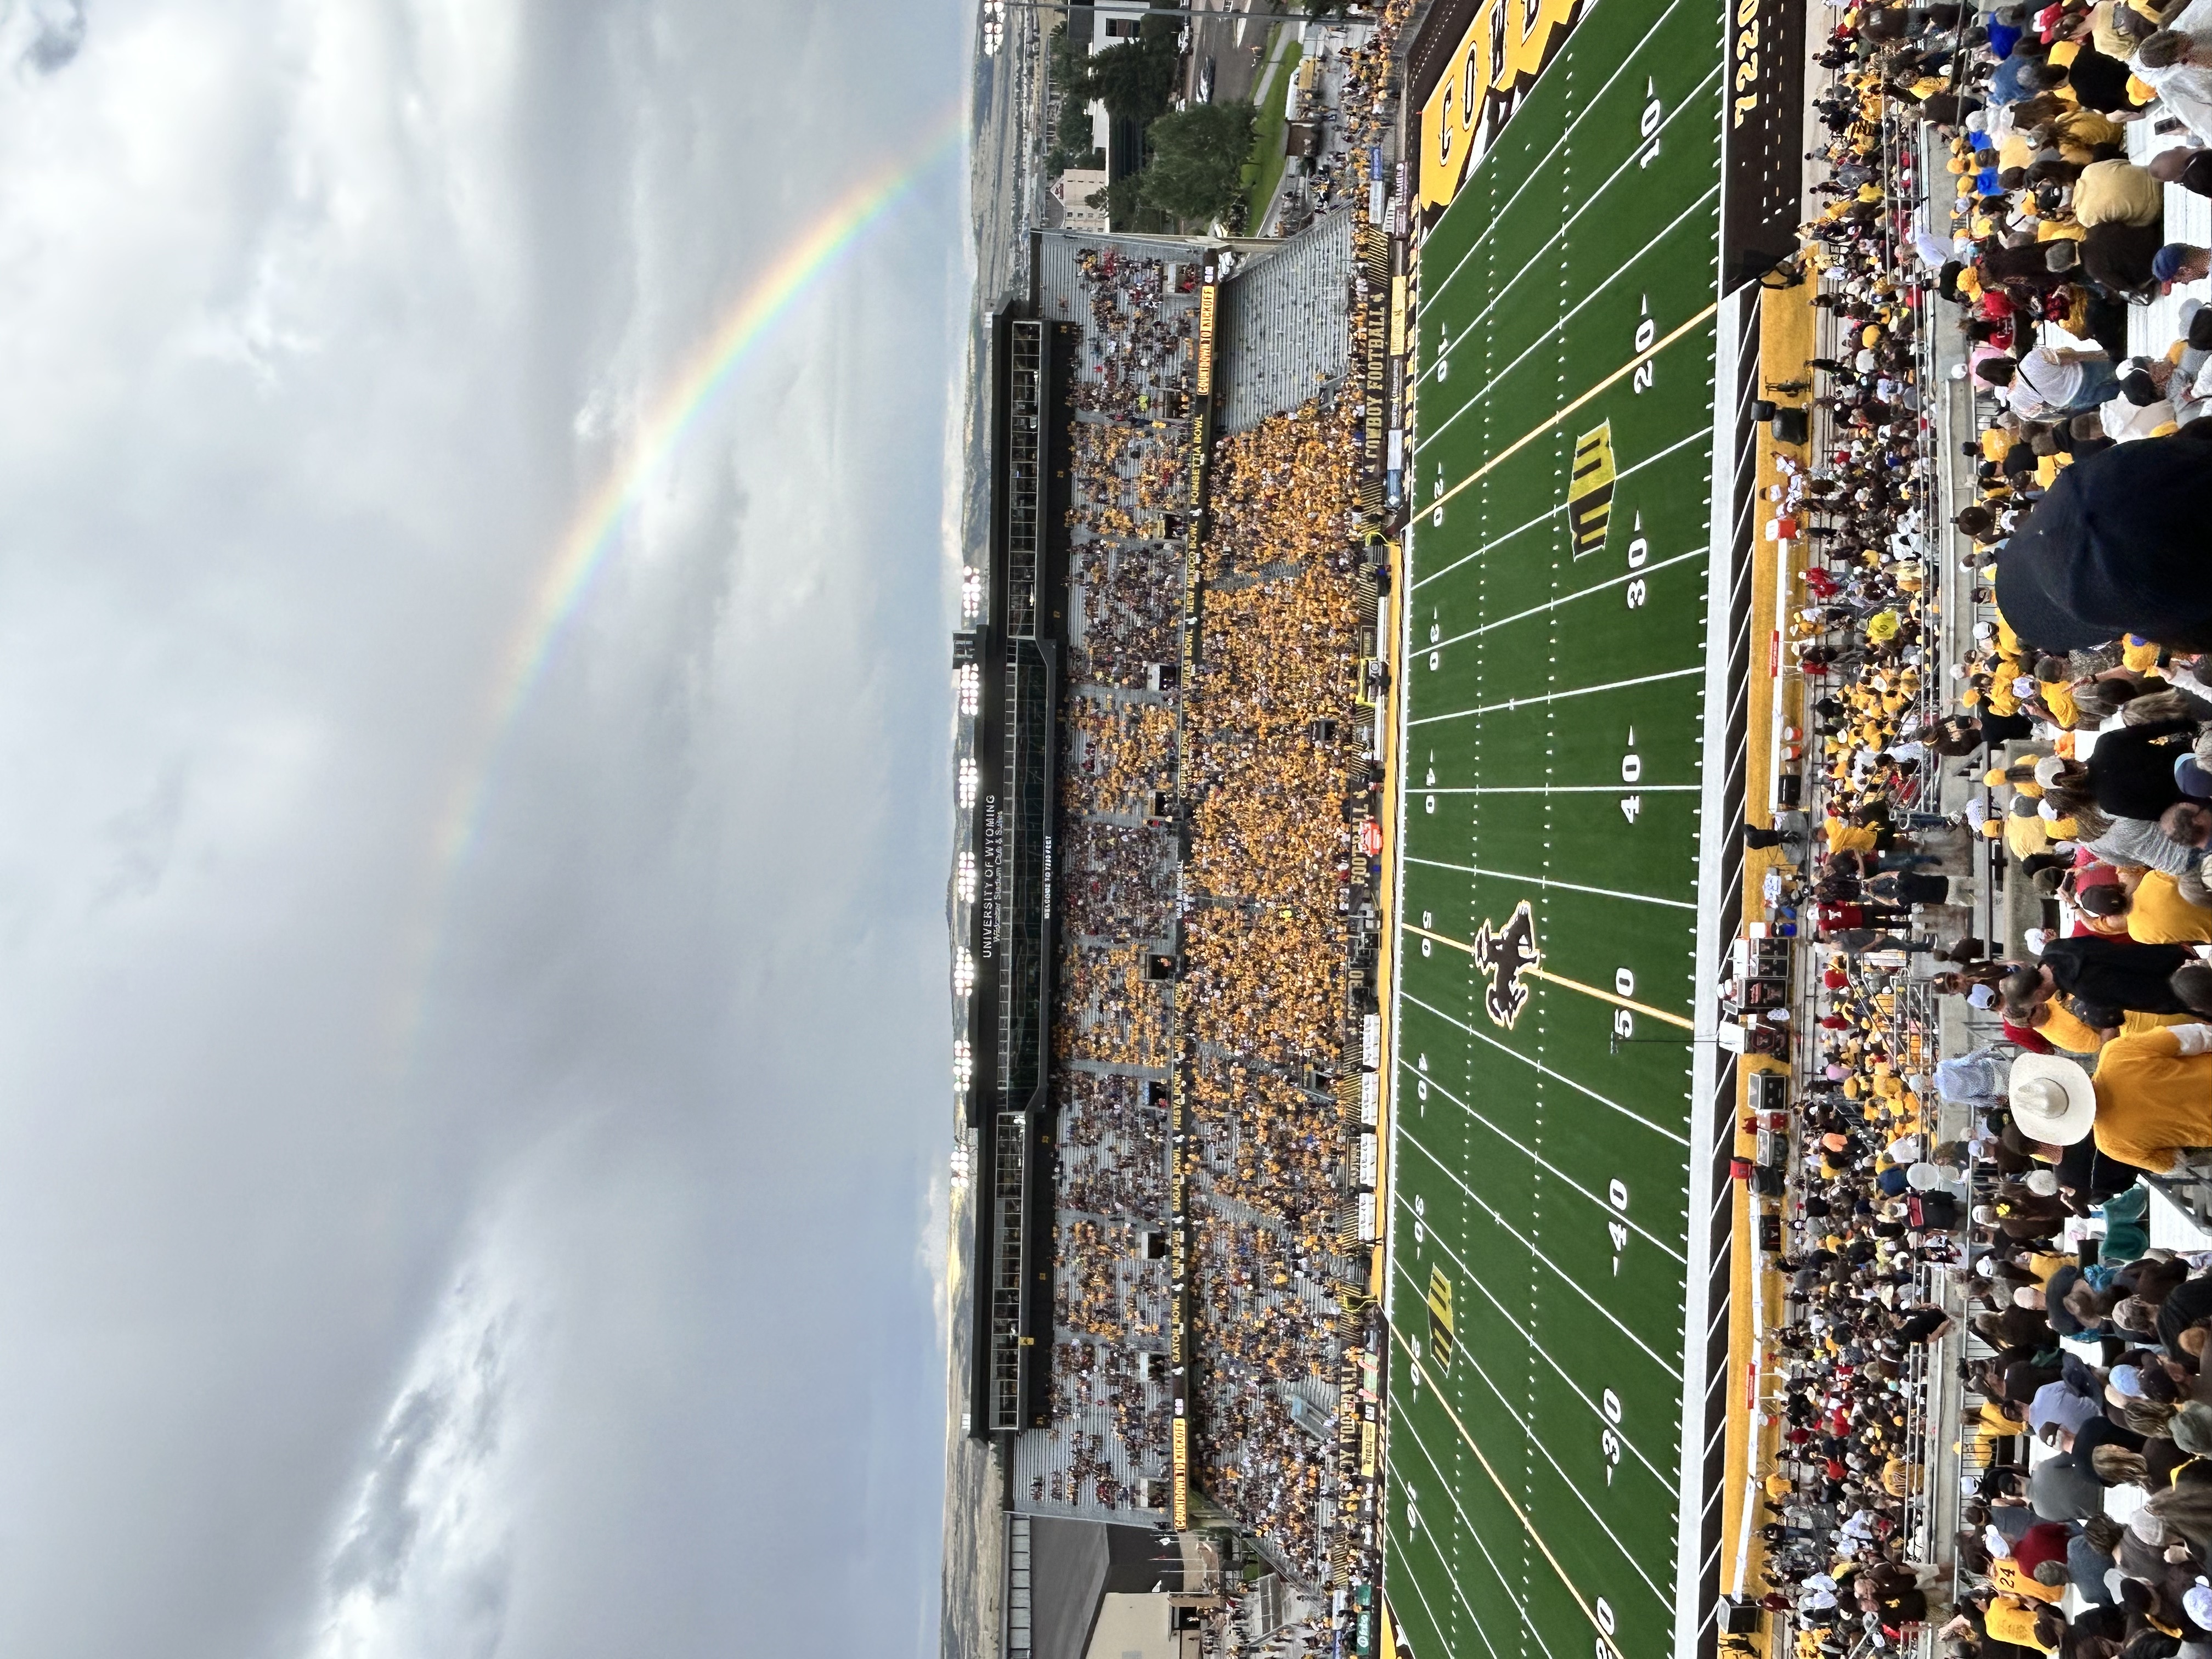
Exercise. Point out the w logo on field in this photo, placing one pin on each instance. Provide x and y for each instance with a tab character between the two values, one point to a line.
1589	490
1505	956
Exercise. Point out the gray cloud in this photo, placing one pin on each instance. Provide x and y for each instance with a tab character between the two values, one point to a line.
143	837
517	1255
58	35
375	1551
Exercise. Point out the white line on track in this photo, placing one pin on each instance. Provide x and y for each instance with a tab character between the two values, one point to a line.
1565	134
1476	395
1704	435
1512	703
1546	1071
1569	598
1538	1158
1552	881
1563	1277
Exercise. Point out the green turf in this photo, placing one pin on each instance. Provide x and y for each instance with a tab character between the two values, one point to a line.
1532	287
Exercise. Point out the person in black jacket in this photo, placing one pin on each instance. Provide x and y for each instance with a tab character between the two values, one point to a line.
2105	977
2185	1304
2131	769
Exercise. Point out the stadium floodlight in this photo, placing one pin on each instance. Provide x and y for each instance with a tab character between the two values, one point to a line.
966	883
964	1064
969	779
971	596
971	687
963	971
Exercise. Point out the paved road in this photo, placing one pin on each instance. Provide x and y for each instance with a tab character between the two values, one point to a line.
1236	60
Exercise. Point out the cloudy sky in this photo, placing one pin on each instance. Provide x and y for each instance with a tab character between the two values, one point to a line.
527	1250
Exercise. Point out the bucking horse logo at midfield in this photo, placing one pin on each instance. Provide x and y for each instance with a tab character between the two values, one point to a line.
1505	955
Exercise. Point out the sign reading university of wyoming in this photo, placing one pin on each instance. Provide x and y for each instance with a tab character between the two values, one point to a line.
1473	60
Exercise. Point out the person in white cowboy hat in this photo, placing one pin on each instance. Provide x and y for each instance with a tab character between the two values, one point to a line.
2149	1104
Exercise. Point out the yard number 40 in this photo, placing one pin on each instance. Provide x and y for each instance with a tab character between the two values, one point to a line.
1632	771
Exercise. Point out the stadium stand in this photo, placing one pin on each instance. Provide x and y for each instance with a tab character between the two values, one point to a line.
1248	888
1288	325
1216	931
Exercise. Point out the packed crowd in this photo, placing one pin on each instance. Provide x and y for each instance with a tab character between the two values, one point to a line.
1271	747
1117	882
1273	741
1136	359
2077	712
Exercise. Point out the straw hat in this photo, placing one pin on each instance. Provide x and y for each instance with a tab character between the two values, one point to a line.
2052	1099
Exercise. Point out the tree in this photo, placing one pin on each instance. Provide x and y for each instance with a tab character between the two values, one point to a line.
1198	157
1058	160
1137	78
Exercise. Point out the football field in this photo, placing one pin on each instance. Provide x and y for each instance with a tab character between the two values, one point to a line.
1549	1331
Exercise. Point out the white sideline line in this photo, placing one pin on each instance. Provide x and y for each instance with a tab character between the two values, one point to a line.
1554	511
1621	270
1546	1071
1568	133
1569	598
1563	1278
1538	1158
1549	881
1512	703
1514	1320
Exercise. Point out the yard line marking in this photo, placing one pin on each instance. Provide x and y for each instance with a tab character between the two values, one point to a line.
1569	598
1546	1071
1565	410
1512	703
1573	1387
1549	881
1701	435
1613	997
1414	1579
1539	1158
1535	1537
1567	133
1611	1318
1475	394
1560	789
1473	1531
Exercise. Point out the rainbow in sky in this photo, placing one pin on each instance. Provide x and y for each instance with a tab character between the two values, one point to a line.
597	530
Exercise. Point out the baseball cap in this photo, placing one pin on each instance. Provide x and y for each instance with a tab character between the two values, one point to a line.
2166	264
